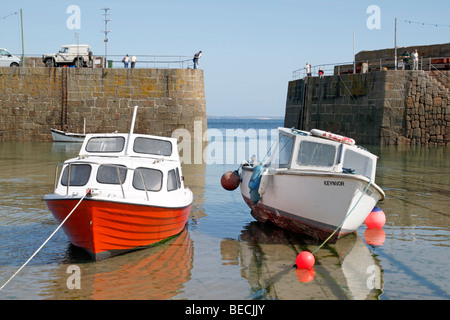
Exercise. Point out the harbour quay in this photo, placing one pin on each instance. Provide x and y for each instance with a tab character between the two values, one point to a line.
35	99
377	103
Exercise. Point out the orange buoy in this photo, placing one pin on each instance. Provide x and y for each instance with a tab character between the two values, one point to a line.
305	260
230	180
376	218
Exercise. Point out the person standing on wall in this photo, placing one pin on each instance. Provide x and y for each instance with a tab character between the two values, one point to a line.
196	57
415	56
125	61
308	70
405	56
133	61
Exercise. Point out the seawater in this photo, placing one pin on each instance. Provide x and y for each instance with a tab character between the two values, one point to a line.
223	253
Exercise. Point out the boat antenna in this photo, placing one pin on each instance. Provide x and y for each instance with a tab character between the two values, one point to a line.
131	128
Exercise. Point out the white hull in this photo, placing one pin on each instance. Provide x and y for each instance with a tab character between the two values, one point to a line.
314	203
61	136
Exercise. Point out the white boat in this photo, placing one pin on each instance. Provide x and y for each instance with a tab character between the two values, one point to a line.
123	192
63	136
316	183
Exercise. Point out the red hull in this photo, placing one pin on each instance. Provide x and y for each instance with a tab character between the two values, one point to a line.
109	228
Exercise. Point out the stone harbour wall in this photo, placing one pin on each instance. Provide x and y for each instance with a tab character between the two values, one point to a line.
427	114
384	108
33	100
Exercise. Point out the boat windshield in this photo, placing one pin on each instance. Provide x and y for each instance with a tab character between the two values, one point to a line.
79	174
316	154
152	146
282	152
173	180
359	162
150	180
109	174
105	144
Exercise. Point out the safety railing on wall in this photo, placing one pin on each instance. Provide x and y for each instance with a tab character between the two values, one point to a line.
115	61
152	61
427	64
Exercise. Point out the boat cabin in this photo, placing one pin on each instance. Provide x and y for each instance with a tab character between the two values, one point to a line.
134	145
122	166
300	150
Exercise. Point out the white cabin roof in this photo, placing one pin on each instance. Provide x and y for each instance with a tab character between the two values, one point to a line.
131	145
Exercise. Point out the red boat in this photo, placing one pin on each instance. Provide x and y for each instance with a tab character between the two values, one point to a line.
123	192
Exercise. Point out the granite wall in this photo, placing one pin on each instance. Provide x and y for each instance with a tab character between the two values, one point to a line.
33	100
386	107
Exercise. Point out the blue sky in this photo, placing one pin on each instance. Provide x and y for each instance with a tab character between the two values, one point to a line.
250	47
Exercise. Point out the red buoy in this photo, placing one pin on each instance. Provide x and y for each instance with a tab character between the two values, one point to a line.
305	260
376	218
230	180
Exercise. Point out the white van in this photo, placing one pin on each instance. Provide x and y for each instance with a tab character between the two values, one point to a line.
7	59
79	55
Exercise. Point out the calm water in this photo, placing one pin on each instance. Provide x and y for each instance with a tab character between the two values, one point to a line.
223	253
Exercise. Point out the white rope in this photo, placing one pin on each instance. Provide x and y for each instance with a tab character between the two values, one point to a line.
45	242
345	218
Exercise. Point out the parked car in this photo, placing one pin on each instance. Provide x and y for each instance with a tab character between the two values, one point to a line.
79	55
7	59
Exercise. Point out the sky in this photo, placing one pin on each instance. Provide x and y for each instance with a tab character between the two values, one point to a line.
250	47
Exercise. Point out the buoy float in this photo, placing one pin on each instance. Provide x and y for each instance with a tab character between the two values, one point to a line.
230	180
305	260
376	218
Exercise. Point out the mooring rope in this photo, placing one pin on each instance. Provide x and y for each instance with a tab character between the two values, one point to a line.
45	242
342	223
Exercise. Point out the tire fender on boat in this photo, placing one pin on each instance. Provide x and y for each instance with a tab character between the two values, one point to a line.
332	136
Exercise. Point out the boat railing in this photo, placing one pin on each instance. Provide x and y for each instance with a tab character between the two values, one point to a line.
118	167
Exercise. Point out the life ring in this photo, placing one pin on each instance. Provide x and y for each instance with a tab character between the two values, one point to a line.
332	136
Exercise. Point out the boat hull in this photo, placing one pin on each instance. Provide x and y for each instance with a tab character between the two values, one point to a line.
315	204
61	136
108	228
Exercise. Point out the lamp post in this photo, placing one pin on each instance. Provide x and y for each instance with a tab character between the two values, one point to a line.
106	33
395	44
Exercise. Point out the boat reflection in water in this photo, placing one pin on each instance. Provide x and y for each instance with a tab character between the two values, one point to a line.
158	273
266	254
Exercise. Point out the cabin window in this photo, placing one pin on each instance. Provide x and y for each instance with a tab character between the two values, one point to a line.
152	179
173	180
110	174
79	175
152	146
360	163
316	154
105	144
283	152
